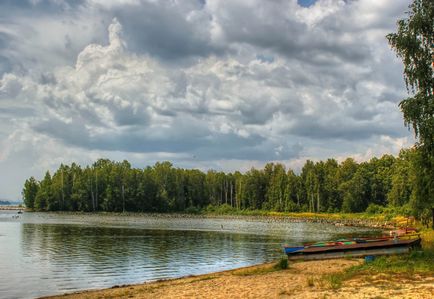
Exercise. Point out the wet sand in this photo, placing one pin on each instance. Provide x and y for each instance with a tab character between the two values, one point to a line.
301	280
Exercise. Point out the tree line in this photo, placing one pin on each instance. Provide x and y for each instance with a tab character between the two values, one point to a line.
324	186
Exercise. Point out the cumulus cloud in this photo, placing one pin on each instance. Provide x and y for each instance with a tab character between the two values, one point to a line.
204	84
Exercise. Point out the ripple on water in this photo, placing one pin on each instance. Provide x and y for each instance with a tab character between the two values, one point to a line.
52	253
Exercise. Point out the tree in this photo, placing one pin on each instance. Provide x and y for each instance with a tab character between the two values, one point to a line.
414	43
44	195
277	181
30	190
292	199
309	180
331	193
255	188
357	190
402	180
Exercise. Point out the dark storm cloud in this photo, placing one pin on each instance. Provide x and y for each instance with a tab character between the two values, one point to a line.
44	6
341	129
272	26
201	142
163	31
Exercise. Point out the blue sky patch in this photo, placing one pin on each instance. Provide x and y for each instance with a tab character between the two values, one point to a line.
306	3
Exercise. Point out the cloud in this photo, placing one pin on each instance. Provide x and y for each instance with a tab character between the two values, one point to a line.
200	83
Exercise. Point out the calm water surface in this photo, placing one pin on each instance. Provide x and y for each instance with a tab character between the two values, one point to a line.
47	253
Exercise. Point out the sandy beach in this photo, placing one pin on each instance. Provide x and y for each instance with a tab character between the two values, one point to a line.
300	280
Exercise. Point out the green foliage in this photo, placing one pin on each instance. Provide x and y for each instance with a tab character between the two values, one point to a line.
223	209
374	209
414	44
320	187
282	264
44	196
30	190
192	210
421	262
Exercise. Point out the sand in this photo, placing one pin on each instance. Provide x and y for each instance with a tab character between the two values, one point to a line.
301	280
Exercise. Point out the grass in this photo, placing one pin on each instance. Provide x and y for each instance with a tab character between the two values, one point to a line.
255	271
391	217
417	262
281	264
310	281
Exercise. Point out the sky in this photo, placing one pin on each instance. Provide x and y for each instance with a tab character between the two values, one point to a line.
207	84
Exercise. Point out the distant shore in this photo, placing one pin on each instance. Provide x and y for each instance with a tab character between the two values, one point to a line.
300	280
337	219
11	208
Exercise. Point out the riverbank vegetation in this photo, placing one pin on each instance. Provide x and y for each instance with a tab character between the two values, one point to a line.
419	262
381	186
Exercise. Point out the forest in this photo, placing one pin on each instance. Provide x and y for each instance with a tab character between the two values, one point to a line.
324	186
404	183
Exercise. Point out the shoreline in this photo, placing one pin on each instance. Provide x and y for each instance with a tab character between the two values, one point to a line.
305	279
11	208
356	220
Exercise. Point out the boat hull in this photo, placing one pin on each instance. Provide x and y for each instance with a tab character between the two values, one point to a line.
349	254
355	250
289	250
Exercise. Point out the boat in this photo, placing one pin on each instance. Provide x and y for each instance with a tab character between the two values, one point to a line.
352	248
339	242
289	250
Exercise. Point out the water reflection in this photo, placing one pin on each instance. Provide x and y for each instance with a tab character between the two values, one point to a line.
52	253
77	256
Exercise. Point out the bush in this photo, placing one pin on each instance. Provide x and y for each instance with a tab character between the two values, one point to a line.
282	263
192	210
222	209
404	210
292	207
374	209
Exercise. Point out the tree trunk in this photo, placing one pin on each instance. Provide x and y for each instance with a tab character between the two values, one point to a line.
432	210
123	198
96	190
226	192
232	203
239	194
221	194
91	194
63	193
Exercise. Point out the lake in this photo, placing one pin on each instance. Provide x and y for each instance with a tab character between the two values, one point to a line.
53	253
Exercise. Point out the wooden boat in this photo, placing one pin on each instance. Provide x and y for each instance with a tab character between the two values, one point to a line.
289	250
334	243
347	241
380	247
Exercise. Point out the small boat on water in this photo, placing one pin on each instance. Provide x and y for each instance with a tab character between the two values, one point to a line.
357	247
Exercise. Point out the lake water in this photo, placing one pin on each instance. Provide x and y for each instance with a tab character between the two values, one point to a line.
49	253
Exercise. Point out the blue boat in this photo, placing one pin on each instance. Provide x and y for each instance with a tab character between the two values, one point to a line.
289	250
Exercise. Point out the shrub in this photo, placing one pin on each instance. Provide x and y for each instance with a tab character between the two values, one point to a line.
374	209
192	210
282	263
